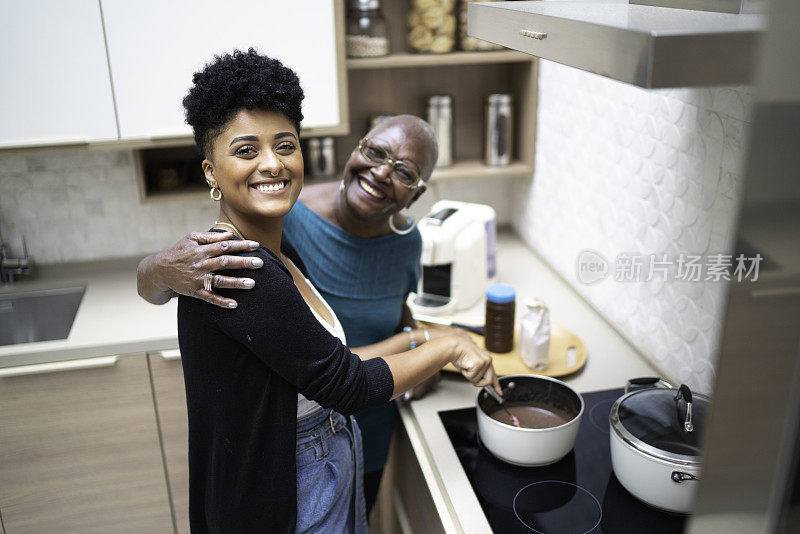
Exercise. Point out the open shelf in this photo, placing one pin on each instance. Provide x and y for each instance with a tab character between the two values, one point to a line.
433	60
394	91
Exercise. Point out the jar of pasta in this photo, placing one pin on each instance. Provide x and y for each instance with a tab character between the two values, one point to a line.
465	42
432	26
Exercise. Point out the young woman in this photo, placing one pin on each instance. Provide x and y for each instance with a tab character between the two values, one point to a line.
267	382
361	266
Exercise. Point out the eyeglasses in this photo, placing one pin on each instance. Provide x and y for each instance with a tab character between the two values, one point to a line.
402	172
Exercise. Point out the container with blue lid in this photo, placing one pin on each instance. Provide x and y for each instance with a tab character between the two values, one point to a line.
499	329
501	293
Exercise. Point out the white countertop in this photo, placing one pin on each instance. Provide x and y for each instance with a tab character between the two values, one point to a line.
111	319
610	362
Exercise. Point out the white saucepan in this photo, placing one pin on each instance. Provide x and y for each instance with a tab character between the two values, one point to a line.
655	442
530	446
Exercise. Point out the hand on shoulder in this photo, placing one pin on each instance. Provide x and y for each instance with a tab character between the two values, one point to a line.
183	268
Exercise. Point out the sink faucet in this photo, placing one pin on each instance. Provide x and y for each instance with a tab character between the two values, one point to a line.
13	266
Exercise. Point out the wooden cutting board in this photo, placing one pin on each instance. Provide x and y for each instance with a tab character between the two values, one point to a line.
561	362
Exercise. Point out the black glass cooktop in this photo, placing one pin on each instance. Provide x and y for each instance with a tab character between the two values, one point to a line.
577	494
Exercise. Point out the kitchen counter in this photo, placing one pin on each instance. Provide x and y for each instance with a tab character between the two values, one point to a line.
111	319
610	362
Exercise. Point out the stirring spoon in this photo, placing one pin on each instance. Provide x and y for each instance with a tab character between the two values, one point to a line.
496	396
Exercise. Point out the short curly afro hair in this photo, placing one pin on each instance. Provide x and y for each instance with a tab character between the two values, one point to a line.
242	80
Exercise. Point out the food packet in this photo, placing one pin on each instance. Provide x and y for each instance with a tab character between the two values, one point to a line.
535	334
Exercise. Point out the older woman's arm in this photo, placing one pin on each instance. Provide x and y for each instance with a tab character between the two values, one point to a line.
403	341
180	268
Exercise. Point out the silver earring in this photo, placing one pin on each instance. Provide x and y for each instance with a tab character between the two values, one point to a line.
407	230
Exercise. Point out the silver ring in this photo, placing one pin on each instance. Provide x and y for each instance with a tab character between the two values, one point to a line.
207	281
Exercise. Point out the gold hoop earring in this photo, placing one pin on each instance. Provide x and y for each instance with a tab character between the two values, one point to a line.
219	195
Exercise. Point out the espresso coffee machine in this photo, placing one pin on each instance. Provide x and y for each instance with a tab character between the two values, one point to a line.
458	257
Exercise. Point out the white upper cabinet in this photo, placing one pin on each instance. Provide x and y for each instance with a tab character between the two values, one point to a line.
154	47
54	81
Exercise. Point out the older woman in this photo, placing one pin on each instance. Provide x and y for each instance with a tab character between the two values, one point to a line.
266	383
361	254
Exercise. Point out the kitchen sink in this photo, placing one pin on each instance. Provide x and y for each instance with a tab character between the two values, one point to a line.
38	315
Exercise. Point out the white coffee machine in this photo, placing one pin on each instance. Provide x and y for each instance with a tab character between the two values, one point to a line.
459	241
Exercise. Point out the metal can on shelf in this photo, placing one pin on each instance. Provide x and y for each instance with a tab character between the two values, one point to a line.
321	157
440	117
499	129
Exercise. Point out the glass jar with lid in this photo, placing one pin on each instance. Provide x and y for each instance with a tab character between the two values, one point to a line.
367	31
431	26
466	42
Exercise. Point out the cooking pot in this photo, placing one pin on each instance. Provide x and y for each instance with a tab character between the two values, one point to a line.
530	446
655	442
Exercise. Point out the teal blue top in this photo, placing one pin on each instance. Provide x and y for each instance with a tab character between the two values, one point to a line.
365	281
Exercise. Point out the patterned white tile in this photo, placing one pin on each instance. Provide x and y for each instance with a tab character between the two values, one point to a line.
625	170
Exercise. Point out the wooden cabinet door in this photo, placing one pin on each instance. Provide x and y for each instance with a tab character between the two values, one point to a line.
79	451
154	47
170	395
56	86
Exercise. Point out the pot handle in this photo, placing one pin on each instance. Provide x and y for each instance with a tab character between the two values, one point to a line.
654	381
686	393
680	476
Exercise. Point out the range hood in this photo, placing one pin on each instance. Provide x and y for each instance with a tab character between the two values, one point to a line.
643	45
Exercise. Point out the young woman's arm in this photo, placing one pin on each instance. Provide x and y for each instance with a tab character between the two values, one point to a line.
275	323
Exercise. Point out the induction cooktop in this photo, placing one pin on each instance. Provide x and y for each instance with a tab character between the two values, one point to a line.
578	494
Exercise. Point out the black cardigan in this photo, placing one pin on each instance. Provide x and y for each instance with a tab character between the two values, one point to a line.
243	369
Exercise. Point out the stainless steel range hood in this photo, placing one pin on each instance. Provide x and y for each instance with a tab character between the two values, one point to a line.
643	45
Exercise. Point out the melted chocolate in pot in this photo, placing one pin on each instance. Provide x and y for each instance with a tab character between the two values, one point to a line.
531	416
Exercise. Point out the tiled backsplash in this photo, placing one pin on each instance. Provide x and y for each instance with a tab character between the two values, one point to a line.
76	205
623	170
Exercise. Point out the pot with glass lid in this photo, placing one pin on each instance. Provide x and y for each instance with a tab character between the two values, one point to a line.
655	442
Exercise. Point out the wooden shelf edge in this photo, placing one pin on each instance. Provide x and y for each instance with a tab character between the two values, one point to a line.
476	169
432	60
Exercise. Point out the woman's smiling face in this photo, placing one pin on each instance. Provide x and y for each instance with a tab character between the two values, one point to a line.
257	164
370	192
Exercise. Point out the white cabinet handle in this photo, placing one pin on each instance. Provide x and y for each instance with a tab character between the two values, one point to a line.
174	354
54	367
